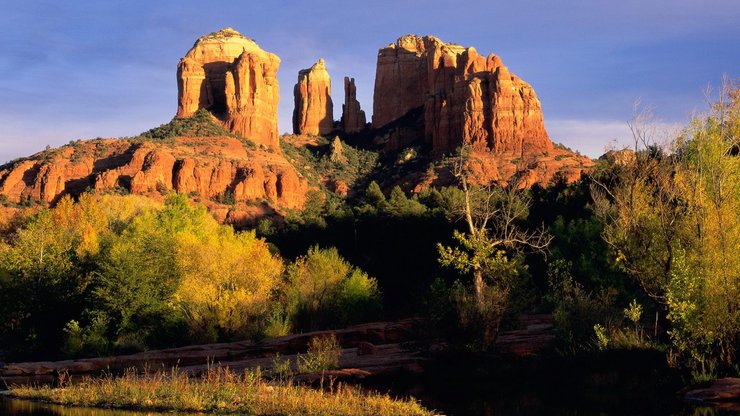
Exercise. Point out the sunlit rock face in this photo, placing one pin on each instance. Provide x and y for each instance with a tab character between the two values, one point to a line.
314	110
444	96
353	118
208	168
232	77
467	98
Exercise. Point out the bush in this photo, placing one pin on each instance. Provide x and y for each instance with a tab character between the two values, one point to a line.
323	354
358	298
480	325
576	312
282	369
278	323
324	290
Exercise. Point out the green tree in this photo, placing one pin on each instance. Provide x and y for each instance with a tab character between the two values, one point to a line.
139	273
400	205
227	282
45	273
374	195
673	223
491	214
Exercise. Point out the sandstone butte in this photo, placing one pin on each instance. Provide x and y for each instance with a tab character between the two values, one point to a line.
469	99
353	118
232	77
314	110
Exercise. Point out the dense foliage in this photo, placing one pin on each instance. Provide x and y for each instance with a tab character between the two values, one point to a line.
672	221
120	273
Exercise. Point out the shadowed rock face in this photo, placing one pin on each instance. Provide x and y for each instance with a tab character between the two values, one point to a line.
467	98
232	77
314	110
353	118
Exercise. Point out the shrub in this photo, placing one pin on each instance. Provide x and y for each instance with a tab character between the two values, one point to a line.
282	369
358	298
278	323
323	354
602	340
324	290
480	324
575	310
633	313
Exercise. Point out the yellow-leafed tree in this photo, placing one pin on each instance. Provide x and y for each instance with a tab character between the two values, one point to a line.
227	282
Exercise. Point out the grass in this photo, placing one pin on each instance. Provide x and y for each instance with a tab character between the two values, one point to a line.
217	391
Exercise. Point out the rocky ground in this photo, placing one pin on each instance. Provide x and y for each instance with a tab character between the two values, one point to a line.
721	394
373	349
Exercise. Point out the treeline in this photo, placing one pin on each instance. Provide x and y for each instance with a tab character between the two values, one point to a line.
114	274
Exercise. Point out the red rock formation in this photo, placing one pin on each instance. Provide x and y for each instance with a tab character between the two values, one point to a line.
155	174
314	110
207	167
467	98
228	74
400	80
353	118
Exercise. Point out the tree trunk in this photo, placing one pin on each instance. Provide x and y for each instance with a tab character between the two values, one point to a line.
478	285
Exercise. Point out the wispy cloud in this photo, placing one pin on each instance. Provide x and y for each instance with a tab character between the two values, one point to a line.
594	137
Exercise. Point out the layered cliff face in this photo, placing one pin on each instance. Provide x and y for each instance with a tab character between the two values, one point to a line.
217	170
353	118
232	77
314	110
468	99
401	80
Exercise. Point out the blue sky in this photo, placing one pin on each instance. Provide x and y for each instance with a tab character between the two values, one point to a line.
84	69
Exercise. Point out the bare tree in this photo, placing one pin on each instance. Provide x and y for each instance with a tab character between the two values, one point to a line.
493	214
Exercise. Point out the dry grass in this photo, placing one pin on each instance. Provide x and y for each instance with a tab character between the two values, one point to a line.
217	391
